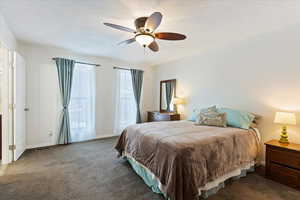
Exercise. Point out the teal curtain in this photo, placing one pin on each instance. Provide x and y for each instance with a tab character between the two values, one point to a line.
169	93
137	83
65	69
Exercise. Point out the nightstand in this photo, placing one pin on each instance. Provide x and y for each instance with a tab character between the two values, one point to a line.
155	116
283	163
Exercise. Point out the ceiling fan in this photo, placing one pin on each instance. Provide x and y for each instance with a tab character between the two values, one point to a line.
144	33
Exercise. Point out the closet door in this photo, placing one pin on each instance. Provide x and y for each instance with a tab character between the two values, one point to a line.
19	105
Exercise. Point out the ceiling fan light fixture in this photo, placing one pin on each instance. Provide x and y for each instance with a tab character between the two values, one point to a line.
144	32
144	39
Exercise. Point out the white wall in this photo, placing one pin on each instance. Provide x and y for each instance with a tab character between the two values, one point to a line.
8	40
6	36
43	94
261	75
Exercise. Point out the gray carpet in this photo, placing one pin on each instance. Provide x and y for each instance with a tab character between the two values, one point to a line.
91	171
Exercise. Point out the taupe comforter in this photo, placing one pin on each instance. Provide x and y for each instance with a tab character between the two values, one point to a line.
184	156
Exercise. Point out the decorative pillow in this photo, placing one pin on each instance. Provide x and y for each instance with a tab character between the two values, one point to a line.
211	118
257	118
237	118
209	109
194	115
253	125
196	112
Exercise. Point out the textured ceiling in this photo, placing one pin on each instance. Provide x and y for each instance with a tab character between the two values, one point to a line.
77	24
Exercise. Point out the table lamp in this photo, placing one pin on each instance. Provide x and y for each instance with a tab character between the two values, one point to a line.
284	118
178	101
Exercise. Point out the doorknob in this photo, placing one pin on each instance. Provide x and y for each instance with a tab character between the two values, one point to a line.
26	109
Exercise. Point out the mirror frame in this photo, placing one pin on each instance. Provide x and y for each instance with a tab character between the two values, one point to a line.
160	93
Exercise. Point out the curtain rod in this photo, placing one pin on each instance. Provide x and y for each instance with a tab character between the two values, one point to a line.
121	68
84	63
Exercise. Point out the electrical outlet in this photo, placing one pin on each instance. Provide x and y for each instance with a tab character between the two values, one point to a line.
50	134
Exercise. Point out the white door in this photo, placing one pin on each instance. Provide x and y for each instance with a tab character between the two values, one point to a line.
19	127
6	62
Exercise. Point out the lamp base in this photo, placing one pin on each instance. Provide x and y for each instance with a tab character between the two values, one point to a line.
284	141
284	136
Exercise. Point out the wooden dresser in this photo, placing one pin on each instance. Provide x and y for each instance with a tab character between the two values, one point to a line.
155	116
0	137
283	163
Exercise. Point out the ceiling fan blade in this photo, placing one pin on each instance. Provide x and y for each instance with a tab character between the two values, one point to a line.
121	28
154	46
140	22
170	36
129	41
153	21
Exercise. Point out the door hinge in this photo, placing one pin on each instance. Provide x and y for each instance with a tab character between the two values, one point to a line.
12	147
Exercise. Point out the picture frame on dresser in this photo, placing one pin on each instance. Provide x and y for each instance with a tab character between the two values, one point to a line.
155	116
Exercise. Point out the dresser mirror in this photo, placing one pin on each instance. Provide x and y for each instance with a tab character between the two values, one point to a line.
167	93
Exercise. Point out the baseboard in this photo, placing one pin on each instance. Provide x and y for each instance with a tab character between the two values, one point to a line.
99	137
49	144
105	136
35	146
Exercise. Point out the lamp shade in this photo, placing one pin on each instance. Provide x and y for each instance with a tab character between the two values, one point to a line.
178	100
285	118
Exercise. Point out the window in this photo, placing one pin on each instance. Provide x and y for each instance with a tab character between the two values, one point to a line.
82	104
125	113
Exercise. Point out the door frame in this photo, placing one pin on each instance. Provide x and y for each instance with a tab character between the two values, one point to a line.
19	65
7	108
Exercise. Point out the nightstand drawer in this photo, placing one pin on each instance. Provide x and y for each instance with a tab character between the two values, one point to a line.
283	163
284	157
285	175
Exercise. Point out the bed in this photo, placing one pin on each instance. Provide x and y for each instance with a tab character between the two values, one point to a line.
183	161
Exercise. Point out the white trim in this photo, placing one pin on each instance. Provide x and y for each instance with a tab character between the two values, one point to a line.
6	101
105	136
33	146
46	144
